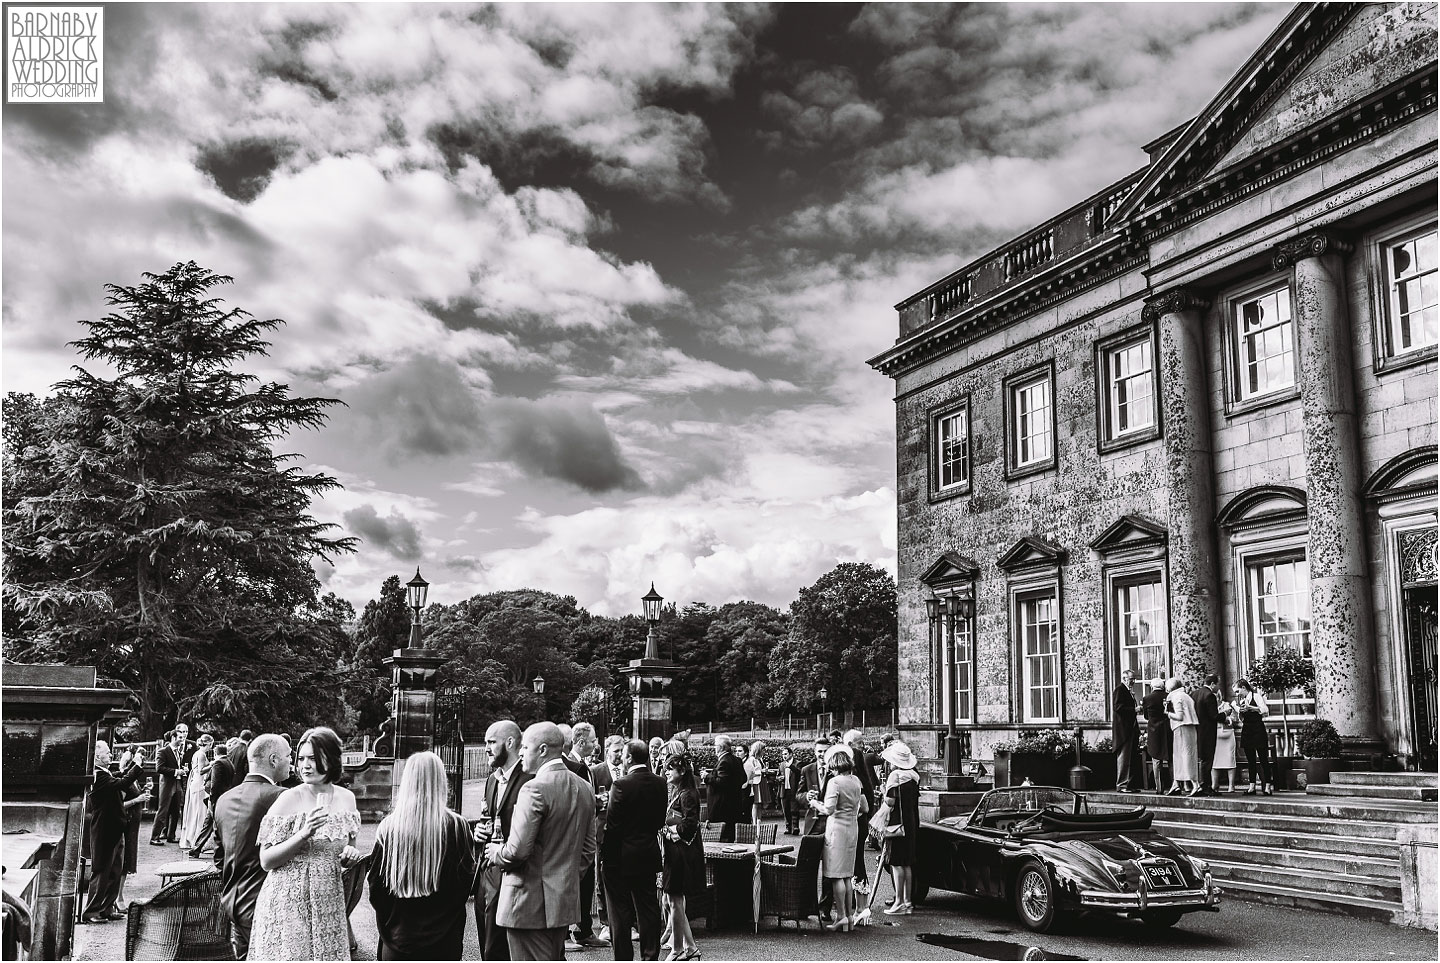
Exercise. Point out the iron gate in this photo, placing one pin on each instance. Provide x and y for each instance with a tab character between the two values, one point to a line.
450	742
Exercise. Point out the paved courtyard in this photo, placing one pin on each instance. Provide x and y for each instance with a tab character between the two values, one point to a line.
946	927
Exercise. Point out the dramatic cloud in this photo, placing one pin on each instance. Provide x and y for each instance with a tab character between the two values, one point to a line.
596	283
395	534
568	442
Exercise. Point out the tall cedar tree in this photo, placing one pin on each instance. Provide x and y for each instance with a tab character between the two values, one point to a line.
384	627
158	535
842	638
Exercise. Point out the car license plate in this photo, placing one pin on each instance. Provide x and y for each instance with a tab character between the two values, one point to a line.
1163	875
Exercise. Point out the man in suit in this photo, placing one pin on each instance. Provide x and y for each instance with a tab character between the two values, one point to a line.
727	790
171	765
790	773
1157	731
814	778
603	776
551	840
1124	729
237	829
632	853
239	758
105	826
1207	712
218	780
502	788
582	746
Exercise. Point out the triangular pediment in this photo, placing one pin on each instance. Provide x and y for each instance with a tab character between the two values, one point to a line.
1262	93
1130	531
949	568
1031	552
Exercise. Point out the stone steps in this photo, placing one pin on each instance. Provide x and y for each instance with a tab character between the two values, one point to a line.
1339	887
1326	814
1373	791
1298	839
1427	780
1297	858
1385	911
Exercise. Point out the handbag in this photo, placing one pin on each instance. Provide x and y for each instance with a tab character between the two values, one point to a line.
880	825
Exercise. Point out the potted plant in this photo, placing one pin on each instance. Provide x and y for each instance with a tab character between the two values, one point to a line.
1043	756
1319	743
1277	673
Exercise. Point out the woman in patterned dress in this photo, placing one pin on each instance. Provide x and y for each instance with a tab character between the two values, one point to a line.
306	840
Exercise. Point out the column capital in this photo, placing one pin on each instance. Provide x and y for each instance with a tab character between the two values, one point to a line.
1172	302
1313	244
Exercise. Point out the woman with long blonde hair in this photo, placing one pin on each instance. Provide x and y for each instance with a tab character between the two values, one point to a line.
421	869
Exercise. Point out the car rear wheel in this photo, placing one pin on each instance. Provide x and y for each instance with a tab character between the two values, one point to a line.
1035	897
1161	919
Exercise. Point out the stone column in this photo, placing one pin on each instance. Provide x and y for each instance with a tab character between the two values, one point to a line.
1190	483
1340	628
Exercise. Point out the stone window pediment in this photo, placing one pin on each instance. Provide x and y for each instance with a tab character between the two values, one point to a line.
1407	474
949	569
1264	503
1031	552
1129	532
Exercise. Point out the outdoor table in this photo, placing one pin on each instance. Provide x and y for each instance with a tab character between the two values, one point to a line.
181	868
733	867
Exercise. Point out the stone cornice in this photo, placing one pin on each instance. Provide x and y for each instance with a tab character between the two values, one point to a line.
1172	302
1314	244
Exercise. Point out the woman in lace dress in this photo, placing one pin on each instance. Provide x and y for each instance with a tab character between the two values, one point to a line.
306	840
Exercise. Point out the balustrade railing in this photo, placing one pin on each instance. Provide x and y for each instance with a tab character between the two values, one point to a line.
1029	253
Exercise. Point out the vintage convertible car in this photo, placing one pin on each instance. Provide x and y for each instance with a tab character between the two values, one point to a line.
1042	849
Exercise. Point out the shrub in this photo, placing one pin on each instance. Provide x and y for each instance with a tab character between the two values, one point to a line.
1281	670
1106	744
1056	743
1318	740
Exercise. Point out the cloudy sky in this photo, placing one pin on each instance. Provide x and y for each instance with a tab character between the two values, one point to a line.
596	283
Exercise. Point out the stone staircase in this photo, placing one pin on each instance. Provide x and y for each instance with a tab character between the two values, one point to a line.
1336	852
1417	786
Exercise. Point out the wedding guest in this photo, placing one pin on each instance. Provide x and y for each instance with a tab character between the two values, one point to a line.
421	868
684	856
218	780
306	841
866	775
902	793
728	799
1253	738
105	826
632	854
1123	730
197	803
1157	732
497	814
1207	716
170	766
790	771
843	802
238	815
1224	760
1184	754
136	795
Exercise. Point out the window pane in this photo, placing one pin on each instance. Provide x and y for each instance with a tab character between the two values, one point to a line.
1131	391
1031	407
1280	605
1265	340
952	452
1141	619
1040	658
1414	293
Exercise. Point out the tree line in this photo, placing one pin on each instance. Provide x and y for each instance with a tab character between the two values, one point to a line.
152	530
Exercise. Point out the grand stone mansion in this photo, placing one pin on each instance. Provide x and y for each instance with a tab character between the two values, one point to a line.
1194	416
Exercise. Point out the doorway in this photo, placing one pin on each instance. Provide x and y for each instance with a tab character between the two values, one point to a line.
1420	662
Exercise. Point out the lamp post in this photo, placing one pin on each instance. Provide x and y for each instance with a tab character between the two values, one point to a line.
412	681
415	592
538	684
650	677
824	695
945	616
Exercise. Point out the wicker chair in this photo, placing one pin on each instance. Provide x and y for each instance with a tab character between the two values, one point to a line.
745	833
183	921
710	832
790	888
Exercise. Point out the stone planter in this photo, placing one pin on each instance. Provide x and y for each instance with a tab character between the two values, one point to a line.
1042	769
1317	771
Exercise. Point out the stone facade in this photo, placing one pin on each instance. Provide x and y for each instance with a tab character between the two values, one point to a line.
1185	420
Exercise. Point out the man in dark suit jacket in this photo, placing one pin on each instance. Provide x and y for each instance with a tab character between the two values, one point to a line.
237	830
239	760
502	787
105	825
790	774
170	764
1124	730
728	803
814	778
573	757
603	776
632	853
1207	711
1157	732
